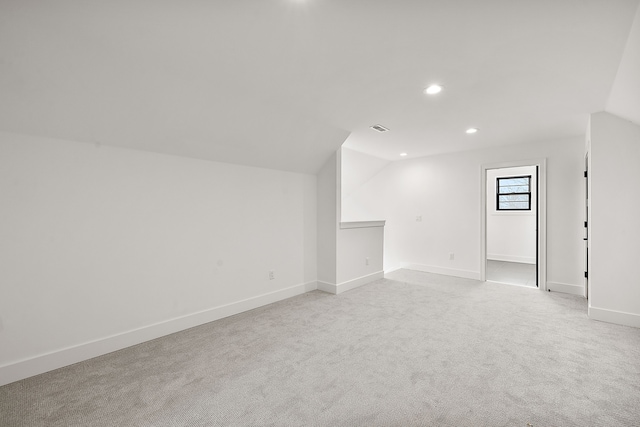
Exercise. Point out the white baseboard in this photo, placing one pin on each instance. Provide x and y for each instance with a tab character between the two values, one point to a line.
67	356
350	284
465	274
565	288
327	287
613	316
511	258
360	281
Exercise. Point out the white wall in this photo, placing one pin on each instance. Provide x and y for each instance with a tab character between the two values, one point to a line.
614	229
360	256
359	250
511	235
357	168
624	99
328	218
104	247
347	257
445	192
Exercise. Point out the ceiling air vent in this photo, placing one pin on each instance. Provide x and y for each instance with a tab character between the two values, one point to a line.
379	128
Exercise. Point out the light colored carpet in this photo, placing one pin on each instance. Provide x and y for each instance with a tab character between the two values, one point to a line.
513	273
412	349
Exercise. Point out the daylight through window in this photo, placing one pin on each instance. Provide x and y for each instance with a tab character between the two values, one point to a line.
513	193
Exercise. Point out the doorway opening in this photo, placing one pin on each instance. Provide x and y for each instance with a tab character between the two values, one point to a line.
513	249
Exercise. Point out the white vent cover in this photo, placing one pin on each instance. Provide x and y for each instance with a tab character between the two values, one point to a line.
379	128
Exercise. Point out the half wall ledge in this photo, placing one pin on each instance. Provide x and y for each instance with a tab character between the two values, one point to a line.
362	224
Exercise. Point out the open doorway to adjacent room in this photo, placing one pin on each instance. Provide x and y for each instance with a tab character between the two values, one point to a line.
511	237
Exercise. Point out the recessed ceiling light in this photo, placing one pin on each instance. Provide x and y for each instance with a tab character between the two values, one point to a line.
433	89
472	130
403	154
379	128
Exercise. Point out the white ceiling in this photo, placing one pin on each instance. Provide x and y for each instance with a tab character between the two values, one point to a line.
282	83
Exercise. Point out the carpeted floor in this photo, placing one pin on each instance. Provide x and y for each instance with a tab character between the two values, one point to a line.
412	349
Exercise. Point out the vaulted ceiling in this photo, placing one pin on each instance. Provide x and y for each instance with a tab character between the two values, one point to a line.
283	83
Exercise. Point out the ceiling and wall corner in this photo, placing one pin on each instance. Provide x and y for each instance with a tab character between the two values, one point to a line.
624	100
282	84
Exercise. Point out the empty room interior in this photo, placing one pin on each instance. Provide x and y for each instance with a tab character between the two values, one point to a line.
319	212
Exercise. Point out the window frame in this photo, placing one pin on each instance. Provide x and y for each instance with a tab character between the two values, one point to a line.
498	194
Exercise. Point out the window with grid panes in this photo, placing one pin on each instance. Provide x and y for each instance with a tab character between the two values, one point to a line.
513	193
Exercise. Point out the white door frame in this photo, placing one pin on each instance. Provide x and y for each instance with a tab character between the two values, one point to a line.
542	215
587	219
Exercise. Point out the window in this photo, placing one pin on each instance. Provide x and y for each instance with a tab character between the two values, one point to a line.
513	193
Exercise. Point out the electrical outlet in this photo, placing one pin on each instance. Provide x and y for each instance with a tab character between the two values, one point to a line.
366	261
452	256
272	275
419	218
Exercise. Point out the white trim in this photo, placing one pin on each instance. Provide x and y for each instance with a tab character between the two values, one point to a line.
392	270
613	316
350	284
566	288
512	213
465	274
542	210
327	287
511	258
59	358
587	207
511	284
362	224
360	281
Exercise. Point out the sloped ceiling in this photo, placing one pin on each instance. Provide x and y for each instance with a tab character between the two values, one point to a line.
282	83
624	100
